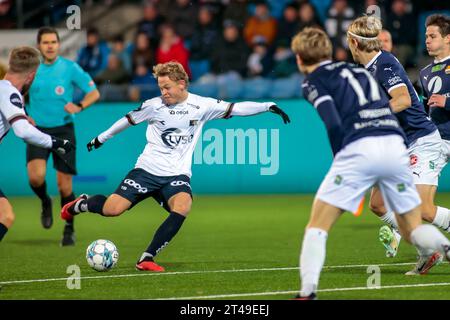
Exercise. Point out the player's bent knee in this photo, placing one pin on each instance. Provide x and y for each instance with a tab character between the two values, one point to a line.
377	208
36	180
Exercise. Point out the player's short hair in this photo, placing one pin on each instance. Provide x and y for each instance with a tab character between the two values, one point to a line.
46	30
365	31
23	60
439	20
174	70
312	45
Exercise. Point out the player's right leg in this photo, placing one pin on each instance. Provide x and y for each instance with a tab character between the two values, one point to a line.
37	168
388	235
6	215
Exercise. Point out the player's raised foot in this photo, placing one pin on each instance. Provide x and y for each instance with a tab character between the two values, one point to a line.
312	296
69	209
148	264
47	213
68	238
389	241
424	264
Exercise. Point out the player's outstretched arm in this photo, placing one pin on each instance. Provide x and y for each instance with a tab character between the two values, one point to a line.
24	130
116	128
251	108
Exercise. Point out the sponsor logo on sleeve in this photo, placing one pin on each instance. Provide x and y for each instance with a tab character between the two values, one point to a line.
16	100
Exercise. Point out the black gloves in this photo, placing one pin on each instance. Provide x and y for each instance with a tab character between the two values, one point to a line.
277	110
94	143
62	146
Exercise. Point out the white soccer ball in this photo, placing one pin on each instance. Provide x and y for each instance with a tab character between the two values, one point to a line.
102	255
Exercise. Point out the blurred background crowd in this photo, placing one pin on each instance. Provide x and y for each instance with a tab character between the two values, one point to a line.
230	48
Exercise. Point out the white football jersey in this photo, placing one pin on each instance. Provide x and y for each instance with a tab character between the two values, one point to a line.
173	132
11	106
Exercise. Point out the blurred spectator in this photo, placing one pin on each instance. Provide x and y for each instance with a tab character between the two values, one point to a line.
118	48
182	14
371	7
202	43
114	73
386	40
284	62
260	24
308	16
340	15
259	62
3	70
93	57
288	25
151	22
231	52
171	48
142	53
204	36
403	27
236	11
143	84
7	15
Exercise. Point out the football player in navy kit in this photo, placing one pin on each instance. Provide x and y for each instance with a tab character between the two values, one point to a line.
369	149
163	170
424	142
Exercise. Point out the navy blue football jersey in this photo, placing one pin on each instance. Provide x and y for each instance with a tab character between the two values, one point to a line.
435	79
390	74
350	103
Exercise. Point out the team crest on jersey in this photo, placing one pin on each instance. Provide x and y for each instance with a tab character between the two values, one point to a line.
15	100
413	159
193	123
447	70
59	90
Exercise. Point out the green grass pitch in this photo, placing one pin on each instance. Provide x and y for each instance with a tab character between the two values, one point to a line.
230	247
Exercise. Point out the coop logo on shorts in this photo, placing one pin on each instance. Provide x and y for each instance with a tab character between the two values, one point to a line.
179	183
135	185
59	90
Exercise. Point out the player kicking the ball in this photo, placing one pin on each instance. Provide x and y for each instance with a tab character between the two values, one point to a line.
369	148
163	170
23	63
425	146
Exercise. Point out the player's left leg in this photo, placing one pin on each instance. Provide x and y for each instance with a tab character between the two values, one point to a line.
439	216
176	197
6	215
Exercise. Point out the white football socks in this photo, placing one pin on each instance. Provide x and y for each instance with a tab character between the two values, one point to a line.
389	218
312	259
442	219
428	239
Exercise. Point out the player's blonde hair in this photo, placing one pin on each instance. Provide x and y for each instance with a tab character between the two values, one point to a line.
365	31
23	60
312	45
174	70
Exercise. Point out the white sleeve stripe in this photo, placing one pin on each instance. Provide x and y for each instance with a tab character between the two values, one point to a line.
322	99
396	86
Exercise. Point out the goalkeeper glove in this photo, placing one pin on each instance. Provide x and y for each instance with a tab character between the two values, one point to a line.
94	143
277	110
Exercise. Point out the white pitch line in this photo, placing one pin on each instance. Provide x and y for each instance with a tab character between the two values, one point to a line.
197	272
274	293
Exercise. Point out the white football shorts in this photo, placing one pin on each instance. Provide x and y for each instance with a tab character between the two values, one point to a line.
427	158
372	161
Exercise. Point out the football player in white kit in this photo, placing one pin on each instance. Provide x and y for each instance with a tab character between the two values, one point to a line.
163	170
23	62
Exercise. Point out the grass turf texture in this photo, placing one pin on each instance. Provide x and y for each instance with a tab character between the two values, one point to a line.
222	233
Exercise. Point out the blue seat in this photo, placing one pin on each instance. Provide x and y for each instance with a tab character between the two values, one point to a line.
198	68
204	89
285	88
256	88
